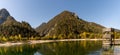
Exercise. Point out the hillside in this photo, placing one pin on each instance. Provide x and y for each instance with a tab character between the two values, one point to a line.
10	27
67	24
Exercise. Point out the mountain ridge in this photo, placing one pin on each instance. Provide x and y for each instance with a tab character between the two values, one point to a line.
68	23
11	27
63	26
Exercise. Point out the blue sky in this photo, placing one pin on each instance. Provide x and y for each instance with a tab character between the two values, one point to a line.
104	12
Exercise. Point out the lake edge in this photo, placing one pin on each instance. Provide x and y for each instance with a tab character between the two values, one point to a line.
45	41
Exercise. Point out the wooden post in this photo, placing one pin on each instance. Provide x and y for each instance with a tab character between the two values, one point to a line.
112	37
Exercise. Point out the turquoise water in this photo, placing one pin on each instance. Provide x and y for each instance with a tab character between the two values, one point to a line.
62	48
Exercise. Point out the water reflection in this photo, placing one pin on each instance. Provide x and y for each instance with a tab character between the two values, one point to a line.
17	50
70	48
63	48
37	53
111	50
108	50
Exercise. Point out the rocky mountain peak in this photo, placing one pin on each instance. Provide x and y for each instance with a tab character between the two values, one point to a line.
3	15
67	15
66	12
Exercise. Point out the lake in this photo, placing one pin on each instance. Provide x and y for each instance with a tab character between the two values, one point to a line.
62	48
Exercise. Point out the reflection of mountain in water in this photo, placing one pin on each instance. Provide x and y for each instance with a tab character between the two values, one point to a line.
55	48
70	48
63	48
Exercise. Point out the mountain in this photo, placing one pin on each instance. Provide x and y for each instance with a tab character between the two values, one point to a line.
9	21
67	24
3	15
39	28
10	27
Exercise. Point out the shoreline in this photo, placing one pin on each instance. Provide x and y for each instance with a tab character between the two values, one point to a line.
44	41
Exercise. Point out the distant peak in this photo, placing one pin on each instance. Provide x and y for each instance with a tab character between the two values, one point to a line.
4	12
3	9
66	11
3	15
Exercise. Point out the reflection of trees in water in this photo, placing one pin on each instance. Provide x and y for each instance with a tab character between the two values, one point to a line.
107	50
111	50
18	50
69	48
55	48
